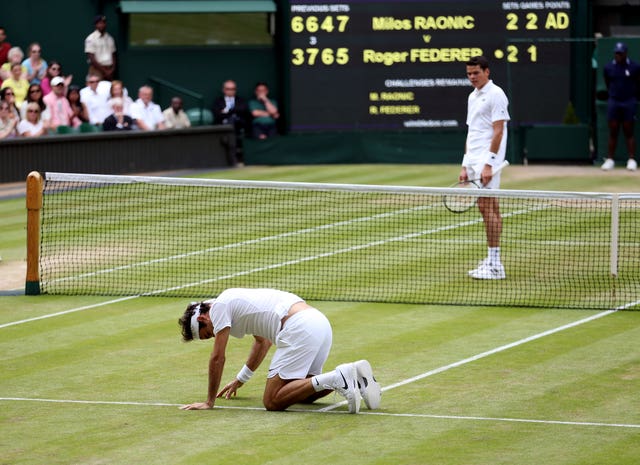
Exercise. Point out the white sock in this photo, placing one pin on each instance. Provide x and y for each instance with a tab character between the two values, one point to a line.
324	381
494	255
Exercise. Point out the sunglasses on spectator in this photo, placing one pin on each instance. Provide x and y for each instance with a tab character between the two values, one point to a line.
229	88
35	50
93	82
32	91
55	68
33	111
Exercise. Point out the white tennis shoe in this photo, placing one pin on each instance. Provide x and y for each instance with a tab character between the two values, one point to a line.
488	271
370	390
608	164
481	264
346	385
632	164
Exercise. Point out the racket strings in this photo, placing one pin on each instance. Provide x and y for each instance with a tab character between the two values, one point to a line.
460	203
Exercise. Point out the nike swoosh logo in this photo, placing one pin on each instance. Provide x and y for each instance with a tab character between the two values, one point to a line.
346	386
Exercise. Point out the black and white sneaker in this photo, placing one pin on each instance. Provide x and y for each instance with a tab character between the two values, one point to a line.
346	385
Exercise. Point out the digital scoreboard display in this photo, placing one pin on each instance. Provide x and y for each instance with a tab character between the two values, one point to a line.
394	65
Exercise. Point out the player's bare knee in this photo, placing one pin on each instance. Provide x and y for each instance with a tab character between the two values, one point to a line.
272	406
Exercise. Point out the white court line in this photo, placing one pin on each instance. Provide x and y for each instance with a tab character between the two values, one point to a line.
493	351
64	312
382	414
513	420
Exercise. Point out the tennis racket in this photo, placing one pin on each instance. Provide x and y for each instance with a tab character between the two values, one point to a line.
460	203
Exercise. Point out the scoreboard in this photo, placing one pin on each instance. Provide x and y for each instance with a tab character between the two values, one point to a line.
400	65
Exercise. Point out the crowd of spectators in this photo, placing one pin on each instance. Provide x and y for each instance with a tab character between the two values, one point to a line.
37	98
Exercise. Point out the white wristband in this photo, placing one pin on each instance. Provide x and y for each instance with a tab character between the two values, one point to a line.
244	374
492	159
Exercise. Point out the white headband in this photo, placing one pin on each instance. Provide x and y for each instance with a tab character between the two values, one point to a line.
195	324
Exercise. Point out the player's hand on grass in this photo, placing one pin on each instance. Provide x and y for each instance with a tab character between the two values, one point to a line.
230	389
197	406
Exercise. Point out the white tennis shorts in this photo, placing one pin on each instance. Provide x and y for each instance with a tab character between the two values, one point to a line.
302	346
472	174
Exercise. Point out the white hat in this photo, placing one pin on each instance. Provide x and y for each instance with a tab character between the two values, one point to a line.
56	81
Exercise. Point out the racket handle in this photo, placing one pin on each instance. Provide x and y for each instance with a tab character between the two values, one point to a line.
500	167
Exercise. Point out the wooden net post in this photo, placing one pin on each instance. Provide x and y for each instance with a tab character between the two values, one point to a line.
34	205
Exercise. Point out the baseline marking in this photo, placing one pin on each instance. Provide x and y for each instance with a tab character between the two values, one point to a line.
382	414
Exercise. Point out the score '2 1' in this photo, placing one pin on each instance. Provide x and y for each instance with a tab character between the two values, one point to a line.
557	20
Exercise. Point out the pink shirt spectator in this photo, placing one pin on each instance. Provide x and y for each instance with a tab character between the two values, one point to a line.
59	108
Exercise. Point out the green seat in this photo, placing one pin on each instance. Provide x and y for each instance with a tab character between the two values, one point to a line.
88	127
64	130
194	116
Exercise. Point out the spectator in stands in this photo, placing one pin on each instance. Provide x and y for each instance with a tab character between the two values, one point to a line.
79	109
174	116
35	95
16	82
54	70
15	55
118	120
147	115
229	108
58	105
32	126
119	91
4	47
101	50
35	64
622	77
8	121
7	95
265	113
96	100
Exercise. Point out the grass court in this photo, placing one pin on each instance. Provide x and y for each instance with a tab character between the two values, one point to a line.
99	379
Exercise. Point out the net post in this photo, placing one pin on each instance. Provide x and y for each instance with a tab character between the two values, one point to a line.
615	232
34	205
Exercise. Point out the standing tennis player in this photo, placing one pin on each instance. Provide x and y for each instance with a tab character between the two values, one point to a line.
302	336
485	148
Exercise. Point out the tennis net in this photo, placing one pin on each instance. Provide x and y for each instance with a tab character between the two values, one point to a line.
133	235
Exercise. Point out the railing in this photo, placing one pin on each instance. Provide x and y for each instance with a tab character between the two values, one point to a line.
199	98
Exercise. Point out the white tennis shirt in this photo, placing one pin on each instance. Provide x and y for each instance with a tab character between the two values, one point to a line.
484	107
251	311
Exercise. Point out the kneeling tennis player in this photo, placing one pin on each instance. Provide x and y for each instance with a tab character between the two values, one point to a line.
302	336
